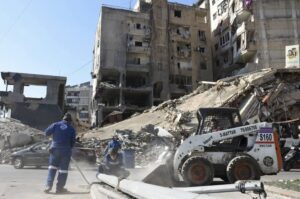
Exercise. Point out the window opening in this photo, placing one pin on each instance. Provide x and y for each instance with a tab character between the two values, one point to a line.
138	43
177	13
203	66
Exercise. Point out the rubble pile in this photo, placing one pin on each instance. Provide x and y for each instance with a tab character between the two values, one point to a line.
107	85
148	143
14	135
266	95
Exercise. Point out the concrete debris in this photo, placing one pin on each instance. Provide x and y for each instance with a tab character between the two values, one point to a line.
148	143
266	95
107	85
14	134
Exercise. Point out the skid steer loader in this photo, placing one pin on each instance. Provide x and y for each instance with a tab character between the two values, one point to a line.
222	147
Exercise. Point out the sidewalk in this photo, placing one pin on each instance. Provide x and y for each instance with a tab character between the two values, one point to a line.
282	192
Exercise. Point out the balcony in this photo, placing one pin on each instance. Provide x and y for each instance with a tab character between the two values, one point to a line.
139	49
138	67
140	32
244	55
243	13
141	89
180	34
245	26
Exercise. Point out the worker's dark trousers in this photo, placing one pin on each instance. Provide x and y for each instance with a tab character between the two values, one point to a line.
59	160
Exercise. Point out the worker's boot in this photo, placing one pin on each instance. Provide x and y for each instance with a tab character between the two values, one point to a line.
61	191
47	189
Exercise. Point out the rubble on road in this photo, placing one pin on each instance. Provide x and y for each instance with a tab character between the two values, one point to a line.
266	95
148	143
13	135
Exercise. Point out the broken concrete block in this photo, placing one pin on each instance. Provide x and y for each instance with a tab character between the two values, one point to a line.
19	139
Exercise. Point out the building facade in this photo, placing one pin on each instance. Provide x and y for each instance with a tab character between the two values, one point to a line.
251	34
142	57
78	100
37	112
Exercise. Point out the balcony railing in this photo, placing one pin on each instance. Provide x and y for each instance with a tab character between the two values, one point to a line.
138	67
138	49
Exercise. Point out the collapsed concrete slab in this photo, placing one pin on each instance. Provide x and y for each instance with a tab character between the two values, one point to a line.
14	134
269	95
36	112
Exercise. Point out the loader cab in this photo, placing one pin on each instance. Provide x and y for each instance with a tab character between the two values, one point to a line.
216	119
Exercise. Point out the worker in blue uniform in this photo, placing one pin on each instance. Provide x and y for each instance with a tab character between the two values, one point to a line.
63	139
113	164
113	144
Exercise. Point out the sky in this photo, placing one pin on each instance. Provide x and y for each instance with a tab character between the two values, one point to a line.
51	37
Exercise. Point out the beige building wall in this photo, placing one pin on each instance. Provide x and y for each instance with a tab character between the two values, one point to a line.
189	46
277	25
142	57
251	35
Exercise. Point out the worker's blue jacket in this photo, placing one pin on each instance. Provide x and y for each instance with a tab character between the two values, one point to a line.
113	144
63	135
113	164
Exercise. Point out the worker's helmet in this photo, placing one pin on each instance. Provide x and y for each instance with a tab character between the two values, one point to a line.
115	137
67	117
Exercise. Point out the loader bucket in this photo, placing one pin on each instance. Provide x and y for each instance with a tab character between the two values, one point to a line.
158	173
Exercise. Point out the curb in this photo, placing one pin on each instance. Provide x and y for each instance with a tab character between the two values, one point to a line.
99	192
283	192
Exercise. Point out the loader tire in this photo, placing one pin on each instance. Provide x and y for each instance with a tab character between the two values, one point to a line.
242	168
18	163
197	171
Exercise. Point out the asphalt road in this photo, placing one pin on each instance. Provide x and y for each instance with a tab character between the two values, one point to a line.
28	183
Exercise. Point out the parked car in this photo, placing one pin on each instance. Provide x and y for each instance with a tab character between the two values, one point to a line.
38	155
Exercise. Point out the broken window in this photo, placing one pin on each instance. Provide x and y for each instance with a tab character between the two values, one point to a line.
177	13
180	80
201	35
216	46
201	50
203	66
184	50
137	100
138	43
217	62
178	66
213	2
224	40
222	7
138	26
225	59
157	88
238	43
214	16
33	91
189	80
135	81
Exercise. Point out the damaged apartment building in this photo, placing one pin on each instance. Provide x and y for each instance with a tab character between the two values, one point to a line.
142	57
78	100
251	34
37	112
